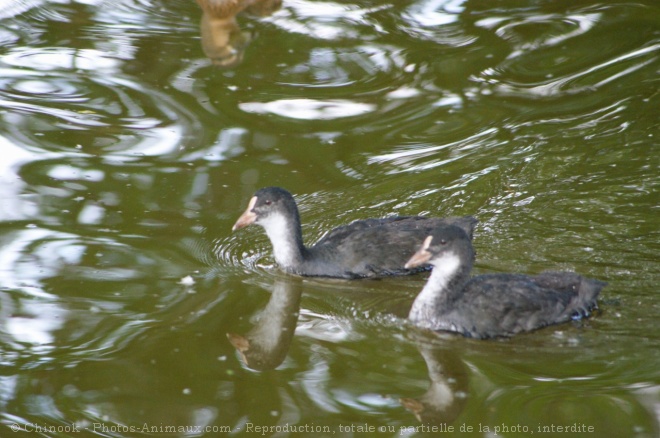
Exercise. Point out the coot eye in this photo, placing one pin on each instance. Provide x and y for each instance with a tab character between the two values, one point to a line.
268	202
443	242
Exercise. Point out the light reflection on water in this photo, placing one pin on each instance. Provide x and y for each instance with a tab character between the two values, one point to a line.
94	118
306	109
126	157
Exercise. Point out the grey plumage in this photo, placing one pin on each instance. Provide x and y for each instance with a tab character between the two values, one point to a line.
493	305
365	248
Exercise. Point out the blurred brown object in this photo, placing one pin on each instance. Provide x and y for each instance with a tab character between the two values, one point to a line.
222	39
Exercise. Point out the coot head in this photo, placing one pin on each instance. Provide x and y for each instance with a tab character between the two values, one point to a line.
446	246
270	204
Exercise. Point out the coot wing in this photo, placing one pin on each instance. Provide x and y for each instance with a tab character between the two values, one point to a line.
376	247
403	223
506	304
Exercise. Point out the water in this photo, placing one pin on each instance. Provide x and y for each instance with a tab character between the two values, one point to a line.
130	309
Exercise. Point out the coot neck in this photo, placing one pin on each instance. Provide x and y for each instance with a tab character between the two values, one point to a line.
271	336
450	273
285	234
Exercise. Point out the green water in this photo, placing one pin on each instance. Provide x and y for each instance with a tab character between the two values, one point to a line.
126	156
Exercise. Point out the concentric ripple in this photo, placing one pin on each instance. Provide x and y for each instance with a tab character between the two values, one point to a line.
537	64
100	283
99	113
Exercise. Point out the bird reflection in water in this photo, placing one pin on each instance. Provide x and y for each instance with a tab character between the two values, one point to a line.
447	393
266	345
223	40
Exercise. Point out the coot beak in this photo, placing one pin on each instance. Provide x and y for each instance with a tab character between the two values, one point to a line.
422	256
241	344
414	406
248	217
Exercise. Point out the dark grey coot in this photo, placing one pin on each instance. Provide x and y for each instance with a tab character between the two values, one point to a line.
365	248
492	305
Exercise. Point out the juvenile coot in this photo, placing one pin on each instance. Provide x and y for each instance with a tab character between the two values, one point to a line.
365	248
492	305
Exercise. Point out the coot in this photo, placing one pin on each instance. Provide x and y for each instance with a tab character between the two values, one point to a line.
492	305
365	248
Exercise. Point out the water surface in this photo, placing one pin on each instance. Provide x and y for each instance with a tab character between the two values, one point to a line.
126	155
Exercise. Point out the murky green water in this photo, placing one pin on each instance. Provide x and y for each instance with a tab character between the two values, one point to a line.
126	156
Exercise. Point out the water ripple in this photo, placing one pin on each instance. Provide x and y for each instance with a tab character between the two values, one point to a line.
588	80
583	404
242	252
124	155
537	65
100	113
418	158
325	20
101	283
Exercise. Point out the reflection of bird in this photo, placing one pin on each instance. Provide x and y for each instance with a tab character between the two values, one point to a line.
366	248
266	345
448	390
222	39
492	305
